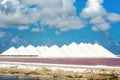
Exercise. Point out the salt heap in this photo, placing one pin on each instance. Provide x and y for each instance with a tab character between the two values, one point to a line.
32	50
22	51
53	51
11	51
66	51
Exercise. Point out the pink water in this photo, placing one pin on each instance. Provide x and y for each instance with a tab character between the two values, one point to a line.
73	61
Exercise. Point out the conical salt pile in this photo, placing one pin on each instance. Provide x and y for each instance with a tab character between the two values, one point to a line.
66	51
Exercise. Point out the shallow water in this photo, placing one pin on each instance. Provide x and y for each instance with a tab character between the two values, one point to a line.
16	78
73	61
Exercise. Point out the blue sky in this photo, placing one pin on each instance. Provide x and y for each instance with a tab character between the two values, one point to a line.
59	22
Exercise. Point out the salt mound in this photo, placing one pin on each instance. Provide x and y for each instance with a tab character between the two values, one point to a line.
105	51
85	50
32	50
22	50
42	49
65	49
11	51
53	51
70	51
74	50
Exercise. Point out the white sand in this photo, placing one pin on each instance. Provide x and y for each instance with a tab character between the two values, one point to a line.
74	68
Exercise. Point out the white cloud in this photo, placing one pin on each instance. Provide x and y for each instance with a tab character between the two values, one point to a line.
23	27
38	29
2	34
60	14
13	13
4	1
113	17
97	20
64	23
98	16
102	27
94	13
35	29
93	8
54	13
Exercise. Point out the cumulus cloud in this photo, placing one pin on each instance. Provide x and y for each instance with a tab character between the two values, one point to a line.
64	23
60	14
35	29
113	17
13	13
102	27
23	27
97	20
98	16
2	34
93	8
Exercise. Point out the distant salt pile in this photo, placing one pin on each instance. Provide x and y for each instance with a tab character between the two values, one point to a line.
66	51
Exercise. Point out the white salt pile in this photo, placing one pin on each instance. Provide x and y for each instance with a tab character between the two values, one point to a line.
66	51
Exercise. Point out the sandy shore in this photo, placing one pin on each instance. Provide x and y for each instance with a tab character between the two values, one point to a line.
60	71
42	73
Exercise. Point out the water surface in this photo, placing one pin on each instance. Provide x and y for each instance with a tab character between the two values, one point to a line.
16	78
